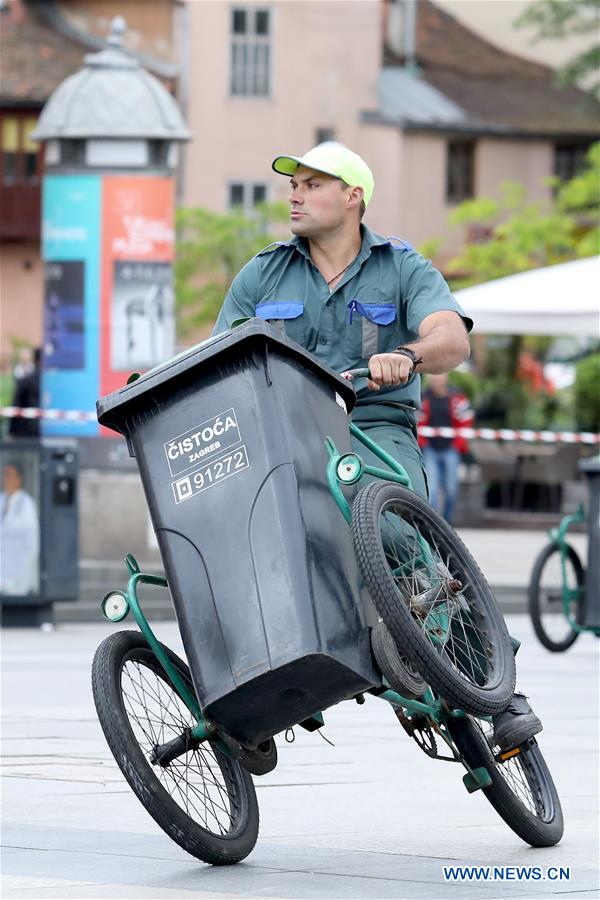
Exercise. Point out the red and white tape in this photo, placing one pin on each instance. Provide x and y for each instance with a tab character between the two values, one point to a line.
508	434
70	415
486	434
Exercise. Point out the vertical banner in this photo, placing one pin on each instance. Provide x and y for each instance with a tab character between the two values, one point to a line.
137	307
71	255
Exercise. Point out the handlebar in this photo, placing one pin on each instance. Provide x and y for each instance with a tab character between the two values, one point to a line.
355	373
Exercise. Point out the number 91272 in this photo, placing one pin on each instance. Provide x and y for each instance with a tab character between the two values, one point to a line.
210	474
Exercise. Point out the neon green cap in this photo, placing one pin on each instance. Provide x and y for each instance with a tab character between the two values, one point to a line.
334	159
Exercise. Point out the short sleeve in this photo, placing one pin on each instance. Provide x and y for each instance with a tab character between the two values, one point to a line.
241	299
424	290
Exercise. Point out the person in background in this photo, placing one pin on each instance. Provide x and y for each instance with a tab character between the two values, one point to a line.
19	535
27	395
444	406
24	363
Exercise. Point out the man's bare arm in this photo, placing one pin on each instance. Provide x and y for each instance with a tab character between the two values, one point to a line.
443	344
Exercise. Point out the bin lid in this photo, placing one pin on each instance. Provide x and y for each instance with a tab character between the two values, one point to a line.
255	332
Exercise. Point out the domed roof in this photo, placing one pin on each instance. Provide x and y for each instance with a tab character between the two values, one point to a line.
111	97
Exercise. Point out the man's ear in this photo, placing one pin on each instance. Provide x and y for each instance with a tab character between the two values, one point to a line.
355	197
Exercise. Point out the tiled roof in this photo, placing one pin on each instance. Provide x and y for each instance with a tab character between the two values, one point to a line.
495	90
512	103
36	57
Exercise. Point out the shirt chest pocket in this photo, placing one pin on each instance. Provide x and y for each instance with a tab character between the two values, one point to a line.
287	316
371	325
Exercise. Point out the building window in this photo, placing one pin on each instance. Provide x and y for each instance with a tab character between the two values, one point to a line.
247	195
324	134
19	155
460	169
250	52
569	160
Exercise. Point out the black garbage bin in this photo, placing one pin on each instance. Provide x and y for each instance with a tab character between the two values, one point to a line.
591	469
230	443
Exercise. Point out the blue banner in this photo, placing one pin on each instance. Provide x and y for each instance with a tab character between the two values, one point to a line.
71	253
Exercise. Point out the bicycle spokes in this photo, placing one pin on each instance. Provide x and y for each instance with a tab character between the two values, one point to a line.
517	768
433	586
194	780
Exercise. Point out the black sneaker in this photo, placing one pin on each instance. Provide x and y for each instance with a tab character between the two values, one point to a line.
516	724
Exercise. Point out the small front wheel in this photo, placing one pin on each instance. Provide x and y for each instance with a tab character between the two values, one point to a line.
433	598
522	791
545	597
202	799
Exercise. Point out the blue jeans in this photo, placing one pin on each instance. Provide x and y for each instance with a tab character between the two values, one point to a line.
442	475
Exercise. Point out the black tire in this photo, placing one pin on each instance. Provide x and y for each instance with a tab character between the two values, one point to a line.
260	761
204	800
522	790
474	668
545	598
400	674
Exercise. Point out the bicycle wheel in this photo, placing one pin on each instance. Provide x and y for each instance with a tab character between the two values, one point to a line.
203	799
440	613
522	791
545	597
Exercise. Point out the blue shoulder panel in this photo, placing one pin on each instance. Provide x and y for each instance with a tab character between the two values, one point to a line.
397	243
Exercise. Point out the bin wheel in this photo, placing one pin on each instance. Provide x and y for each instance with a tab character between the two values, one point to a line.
522	790
441	613
204	800
545	597
397	670
262	760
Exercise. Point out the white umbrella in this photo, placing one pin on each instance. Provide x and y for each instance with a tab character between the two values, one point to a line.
557	300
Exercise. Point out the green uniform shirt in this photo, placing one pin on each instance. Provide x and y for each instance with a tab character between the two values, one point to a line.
377	305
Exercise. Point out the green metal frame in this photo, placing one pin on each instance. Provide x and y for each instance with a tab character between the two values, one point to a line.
429	706
570	596
348	469
341	469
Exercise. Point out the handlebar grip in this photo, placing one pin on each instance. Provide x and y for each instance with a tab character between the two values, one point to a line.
356	373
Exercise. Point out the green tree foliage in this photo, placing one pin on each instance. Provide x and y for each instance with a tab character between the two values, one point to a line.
517	234
211	249
587	393
579	199
514	235
556	19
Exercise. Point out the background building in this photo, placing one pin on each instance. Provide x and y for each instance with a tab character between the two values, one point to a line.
439	111
41	44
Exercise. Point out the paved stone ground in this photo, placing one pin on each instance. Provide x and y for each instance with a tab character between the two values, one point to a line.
371	817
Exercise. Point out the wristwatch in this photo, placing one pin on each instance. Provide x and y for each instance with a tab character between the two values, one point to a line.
410	354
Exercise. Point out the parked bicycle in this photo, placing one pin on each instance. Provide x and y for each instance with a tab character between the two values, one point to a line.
557	589
438	651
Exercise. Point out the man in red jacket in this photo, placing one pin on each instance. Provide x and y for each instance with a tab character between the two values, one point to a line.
444	406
